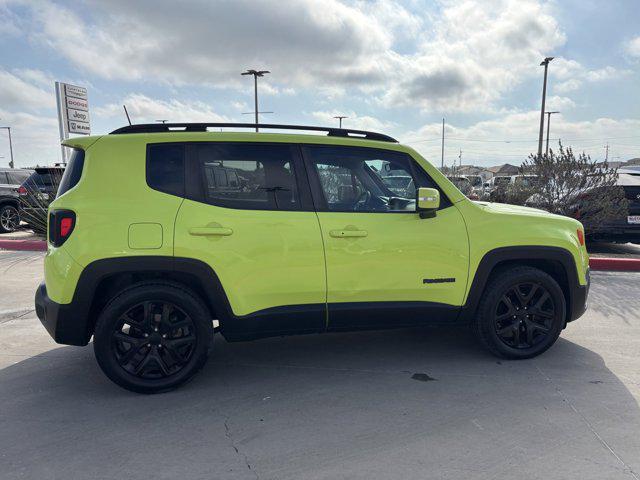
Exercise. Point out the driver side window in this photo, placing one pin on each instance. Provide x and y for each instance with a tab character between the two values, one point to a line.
366	179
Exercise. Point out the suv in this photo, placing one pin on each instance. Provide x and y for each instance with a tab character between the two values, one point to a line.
146	249
10	180
36	192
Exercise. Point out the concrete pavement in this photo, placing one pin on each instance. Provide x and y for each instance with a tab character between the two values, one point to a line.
413	403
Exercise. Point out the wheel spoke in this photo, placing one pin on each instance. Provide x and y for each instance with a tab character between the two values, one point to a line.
154	355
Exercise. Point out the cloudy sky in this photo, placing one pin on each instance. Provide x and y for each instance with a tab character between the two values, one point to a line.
394	66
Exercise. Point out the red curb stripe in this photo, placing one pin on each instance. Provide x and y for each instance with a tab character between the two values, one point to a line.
615	264
24	245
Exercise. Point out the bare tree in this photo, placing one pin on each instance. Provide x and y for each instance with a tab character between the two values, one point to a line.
576	187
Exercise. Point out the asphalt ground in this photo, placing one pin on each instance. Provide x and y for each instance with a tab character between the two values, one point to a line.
405	404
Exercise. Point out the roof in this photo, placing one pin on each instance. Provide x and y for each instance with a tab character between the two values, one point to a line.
503	169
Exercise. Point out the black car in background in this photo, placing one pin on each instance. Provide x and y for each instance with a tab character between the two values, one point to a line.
36	193
10	181
624	229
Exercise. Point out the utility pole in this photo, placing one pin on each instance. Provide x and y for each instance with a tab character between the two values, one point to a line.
256	74
545	64
340	117
460	159
10	147
548	126
442	155
606	152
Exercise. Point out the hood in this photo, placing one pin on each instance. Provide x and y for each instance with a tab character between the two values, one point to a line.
514	209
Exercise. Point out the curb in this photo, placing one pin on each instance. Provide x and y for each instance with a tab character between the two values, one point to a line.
614	264
24	245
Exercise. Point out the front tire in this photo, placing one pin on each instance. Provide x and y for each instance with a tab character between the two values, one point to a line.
153	337
521	314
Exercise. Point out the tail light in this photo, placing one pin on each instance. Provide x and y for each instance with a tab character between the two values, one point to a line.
22	191
61	225
580	234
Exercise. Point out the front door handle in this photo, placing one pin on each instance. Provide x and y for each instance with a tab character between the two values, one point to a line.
347	233
210	231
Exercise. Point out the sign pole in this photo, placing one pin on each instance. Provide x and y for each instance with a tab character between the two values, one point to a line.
62	121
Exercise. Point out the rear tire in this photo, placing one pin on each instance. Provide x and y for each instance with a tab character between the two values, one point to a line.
9	218
153	337
521	314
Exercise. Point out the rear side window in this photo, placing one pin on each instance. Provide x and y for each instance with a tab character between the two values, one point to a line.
165	168
17	177
248	176
72	173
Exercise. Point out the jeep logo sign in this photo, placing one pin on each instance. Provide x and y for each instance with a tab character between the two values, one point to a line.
73	110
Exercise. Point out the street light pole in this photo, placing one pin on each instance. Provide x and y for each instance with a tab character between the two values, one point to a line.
340	117
256	74
544	63
548	127
442	157
10	147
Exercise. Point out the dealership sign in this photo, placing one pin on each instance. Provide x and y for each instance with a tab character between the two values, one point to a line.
73	111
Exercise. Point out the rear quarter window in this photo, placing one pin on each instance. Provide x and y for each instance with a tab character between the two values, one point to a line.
165	168
71	175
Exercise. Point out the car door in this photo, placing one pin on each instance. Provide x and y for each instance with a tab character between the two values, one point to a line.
386	266
248	214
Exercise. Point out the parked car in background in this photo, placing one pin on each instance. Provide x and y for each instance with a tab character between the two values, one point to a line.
36	192
623	229
477	184
401	185
464	185
10	180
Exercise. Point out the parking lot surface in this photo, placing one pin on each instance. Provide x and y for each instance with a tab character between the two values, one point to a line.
406	404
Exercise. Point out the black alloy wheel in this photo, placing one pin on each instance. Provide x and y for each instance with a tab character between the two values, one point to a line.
521	312
524	315
154	339
153	336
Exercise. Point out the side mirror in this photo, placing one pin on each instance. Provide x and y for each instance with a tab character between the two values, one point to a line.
428	201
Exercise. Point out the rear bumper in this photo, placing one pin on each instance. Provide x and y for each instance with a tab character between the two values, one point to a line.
65	323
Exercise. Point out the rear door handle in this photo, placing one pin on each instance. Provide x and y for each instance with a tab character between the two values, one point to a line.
210	231
347	233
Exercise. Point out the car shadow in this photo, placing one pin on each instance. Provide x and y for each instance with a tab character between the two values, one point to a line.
379	404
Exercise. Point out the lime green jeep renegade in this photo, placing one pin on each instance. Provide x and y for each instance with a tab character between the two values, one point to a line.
160	230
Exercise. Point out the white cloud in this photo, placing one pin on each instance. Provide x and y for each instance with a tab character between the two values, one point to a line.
20	92
144	109
354	121
34	137
573	75
632	47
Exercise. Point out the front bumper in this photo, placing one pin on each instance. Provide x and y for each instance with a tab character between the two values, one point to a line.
65	323
579	297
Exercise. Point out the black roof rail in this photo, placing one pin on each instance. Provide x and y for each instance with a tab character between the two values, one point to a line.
202	127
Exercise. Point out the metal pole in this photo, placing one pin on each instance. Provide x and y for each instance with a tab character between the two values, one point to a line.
10	148
61	120
340	122
255	85
442	158
544	96
548	127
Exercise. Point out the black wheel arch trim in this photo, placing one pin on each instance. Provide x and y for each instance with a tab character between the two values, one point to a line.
576	294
